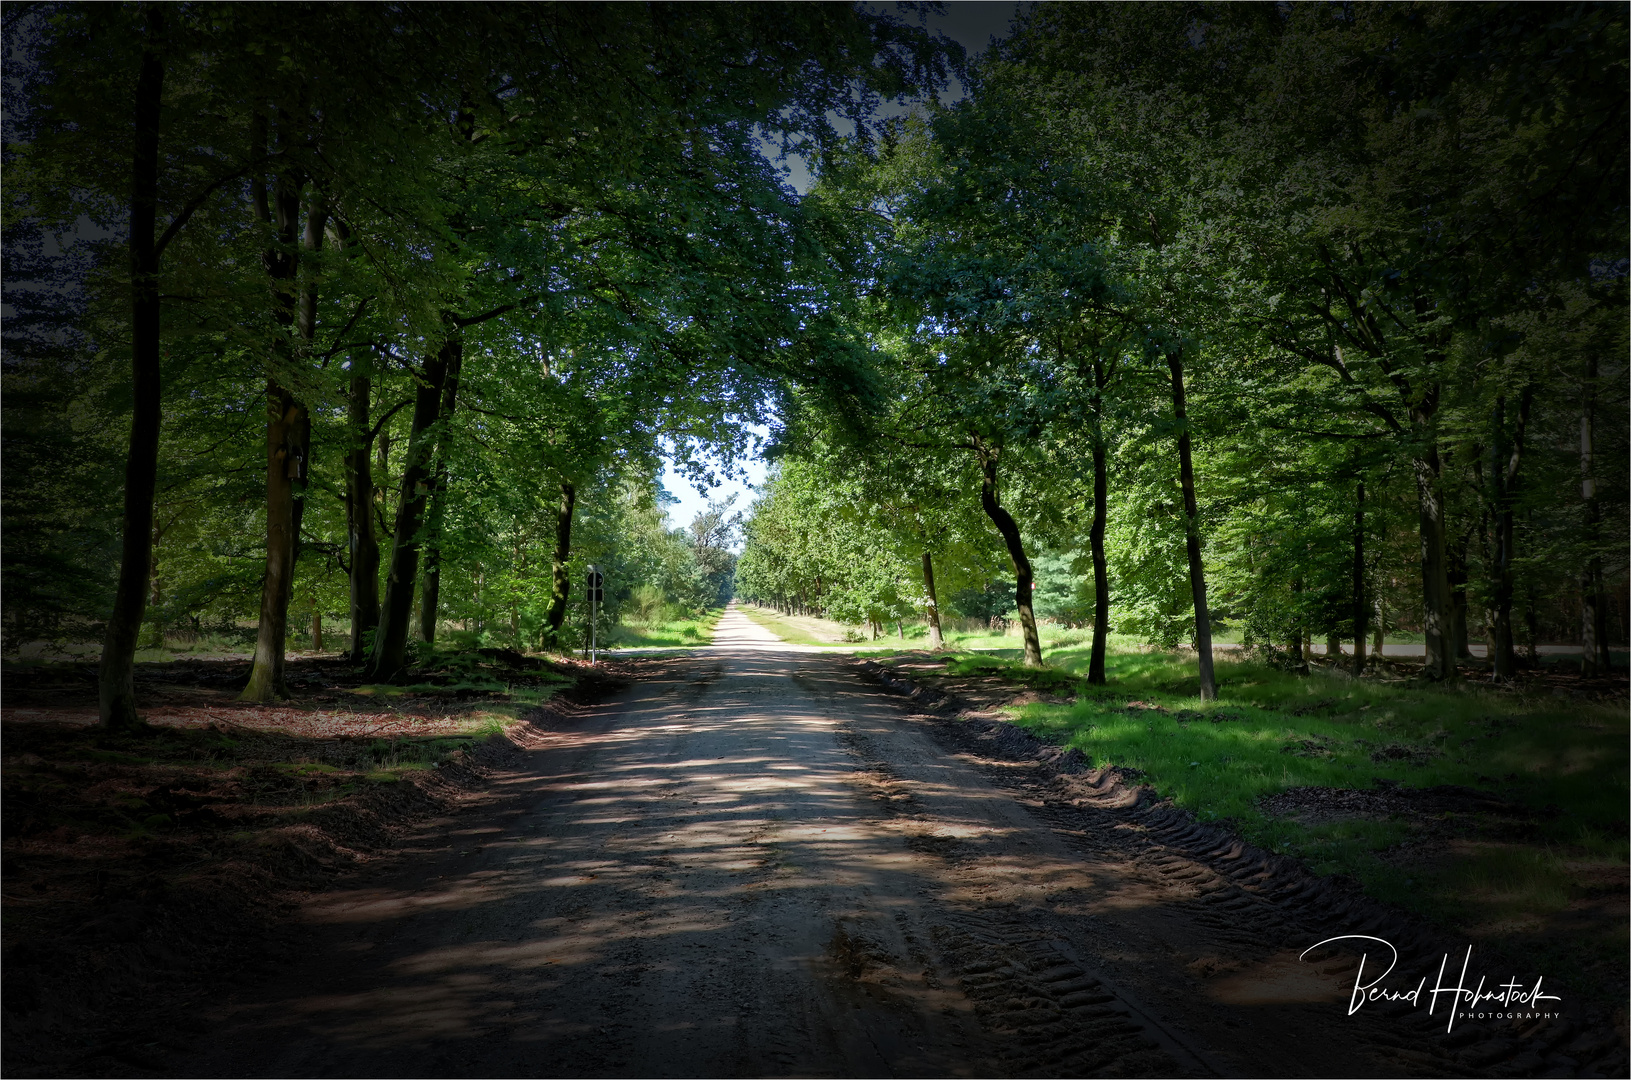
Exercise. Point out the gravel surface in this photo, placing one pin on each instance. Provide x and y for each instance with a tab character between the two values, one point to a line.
754	862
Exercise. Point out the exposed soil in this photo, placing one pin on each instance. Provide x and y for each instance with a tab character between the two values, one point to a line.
753	862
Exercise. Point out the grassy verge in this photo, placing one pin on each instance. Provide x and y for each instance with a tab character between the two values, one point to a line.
672	632
1545	880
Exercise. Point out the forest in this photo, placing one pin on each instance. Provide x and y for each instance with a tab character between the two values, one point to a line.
1282	325
1208	420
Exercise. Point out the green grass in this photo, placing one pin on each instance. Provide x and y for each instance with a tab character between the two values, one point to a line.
679	633
1271	730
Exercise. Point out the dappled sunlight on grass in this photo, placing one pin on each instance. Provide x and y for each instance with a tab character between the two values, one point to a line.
1272	730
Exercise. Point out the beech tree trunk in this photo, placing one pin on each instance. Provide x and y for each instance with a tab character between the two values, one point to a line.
317	214
288	431
936	640
430	588
1594	657
562	586
1361	604
431	591
390	652
1101	569
1024	580
116	689
359	504
1437	616
1192	535
1503	653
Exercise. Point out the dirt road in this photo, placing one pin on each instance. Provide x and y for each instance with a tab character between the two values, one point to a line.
753	862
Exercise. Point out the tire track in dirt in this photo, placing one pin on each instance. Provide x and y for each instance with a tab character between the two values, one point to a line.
1049	1015
1236	906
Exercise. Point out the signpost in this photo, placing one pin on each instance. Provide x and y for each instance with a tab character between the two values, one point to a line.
596	594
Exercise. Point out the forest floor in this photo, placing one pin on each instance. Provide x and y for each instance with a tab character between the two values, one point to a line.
744	861
154	859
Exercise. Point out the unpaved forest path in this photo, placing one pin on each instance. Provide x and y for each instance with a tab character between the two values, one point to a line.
752	862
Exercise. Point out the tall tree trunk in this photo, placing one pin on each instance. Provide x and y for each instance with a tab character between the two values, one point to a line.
1024	580
936	640
288	435
287	427
298	484
116	689
430	588
1594	657
317	215
1101	570
561	591
391	641
1503	654
364	534
431	592
1192	534
1361	604
1437	617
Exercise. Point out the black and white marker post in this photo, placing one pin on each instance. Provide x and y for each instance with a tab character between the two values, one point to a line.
595	595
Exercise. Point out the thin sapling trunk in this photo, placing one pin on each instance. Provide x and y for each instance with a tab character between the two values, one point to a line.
1192	535
1101	572
936	640
1024	579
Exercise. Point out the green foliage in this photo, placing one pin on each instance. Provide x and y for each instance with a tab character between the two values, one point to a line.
618	259
1351	226
662	628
